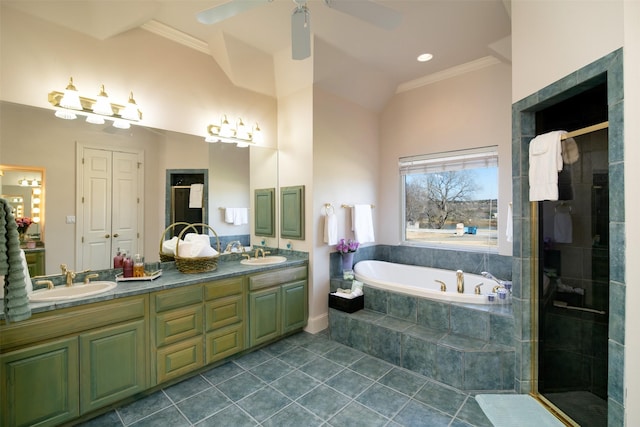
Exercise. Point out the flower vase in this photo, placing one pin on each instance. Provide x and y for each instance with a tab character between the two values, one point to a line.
22	237
347	261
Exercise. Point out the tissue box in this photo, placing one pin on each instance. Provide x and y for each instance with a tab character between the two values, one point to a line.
345	304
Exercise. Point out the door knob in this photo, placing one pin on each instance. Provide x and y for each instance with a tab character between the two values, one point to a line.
116	235
106	236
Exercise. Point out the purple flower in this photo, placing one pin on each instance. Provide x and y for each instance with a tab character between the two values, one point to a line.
345	246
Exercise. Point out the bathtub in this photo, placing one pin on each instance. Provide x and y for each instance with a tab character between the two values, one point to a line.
421	281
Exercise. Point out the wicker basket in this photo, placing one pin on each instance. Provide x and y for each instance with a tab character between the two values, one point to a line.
164	257
197	264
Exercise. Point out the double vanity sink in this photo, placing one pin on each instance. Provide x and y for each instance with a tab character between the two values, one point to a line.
83	290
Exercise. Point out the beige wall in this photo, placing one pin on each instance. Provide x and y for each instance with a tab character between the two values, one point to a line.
470	110
551	39
570	35
345	171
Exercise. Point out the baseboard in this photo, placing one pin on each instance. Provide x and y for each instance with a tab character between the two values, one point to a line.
317	324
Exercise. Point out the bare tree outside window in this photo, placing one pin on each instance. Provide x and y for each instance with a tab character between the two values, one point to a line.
451	206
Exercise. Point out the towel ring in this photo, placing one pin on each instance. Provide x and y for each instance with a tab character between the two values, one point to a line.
328	208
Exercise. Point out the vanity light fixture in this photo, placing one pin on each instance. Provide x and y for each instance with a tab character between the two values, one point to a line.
241	135
69	104
102	105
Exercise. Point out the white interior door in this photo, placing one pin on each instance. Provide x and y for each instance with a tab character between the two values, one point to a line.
96	209
110	205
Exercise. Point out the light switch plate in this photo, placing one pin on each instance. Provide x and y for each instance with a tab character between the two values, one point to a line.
71	219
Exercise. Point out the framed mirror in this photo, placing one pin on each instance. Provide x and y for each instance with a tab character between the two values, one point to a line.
23	187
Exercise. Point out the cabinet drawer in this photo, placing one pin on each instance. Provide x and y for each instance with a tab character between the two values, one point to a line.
223	288
179	359
223	312
175	298
177	325
224	342
277	277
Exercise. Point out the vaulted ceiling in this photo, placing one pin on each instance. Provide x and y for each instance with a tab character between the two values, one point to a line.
351	58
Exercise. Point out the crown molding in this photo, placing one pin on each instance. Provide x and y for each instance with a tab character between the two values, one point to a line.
170	33
468	67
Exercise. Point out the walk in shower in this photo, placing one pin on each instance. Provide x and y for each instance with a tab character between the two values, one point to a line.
573	267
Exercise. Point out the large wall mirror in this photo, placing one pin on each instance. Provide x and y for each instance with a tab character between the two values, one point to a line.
33	137
23	188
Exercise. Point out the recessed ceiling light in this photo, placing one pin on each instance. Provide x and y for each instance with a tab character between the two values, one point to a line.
425	57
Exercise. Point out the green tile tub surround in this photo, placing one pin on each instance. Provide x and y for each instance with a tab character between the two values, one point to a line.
469	262
523	119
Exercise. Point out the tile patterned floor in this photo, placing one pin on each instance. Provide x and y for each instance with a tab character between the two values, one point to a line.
303	380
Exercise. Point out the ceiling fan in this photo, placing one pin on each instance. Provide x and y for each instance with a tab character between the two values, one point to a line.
365	10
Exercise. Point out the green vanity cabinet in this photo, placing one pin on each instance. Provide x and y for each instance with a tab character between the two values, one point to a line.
112	364
278	303
61	364
225	311
45	374
35	261
176	332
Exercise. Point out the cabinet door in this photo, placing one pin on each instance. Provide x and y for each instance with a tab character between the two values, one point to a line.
264	322
112	364
294	306
265	212
39	385
292	212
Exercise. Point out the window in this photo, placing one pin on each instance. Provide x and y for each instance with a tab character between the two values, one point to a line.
451	199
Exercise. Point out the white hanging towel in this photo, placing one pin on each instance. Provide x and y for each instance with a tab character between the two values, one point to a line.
362	223
331	229
509	231
236	216
195	195
545	161
562	227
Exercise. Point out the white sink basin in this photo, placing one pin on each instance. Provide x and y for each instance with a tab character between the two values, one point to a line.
275	259
64	293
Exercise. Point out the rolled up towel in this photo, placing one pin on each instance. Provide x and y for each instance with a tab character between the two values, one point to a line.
194	237
169	246
195	250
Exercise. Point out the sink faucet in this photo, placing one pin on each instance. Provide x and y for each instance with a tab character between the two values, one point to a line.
261	251
460	281
70	275
88	277
502	283
234	244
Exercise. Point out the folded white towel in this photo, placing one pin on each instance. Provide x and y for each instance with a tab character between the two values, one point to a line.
331	229
236	216
195	195
545	161
362	223
195	250
169	246
570	153
509	230
562	227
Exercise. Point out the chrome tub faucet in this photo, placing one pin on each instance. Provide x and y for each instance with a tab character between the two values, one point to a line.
460	281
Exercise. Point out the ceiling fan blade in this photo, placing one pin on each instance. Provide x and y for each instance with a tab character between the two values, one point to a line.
228	10
366	10
300	33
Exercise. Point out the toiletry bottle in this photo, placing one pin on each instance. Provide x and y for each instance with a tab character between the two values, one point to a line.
117	260
127	267
138	266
